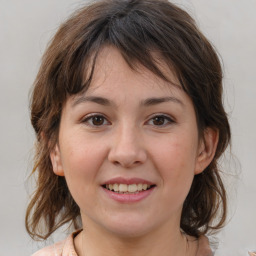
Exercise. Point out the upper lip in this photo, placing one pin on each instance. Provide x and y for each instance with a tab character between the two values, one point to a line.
128	181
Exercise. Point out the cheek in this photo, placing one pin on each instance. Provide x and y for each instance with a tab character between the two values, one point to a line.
79	156
81	162
175	163
178	155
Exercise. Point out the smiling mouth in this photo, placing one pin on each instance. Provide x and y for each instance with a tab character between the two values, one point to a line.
128	189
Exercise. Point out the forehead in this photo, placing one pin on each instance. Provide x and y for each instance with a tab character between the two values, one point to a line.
115	83
113	73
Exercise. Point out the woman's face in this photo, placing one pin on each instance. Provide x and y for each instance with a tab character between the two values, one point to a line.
128	148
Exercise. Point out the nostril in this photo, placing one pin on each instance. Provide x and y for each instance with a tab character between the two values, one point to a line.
127	163
117	163
126	155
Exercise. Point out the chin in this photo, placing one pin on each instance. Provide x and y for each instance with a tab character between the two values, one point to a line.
129	232
127	227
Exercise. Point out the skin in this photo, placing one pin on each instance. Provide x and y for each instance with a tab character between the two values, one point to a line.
126	140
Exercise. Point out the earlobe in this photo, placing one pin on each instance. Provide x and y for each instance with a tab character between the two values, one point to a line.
207	149
56	161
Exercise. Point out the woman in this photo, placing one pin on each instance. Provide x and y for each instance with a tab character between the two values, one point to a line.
127	109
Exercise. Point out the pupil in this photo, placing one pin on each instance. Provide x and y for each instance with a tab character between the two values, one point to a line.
158	121
98	120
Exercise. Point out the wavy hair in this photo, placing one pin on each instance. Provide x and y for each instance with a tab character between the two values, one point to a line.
137	28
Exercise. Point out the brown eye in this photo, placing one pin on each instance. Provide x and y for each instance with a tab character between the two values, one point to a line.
159	120
95	120
98	120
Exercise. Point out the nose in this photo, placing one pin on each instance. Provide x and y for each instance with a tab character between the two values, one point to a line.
127	148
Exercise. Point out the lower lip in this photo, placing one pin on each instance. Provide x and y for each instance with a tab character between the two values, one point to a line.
129	198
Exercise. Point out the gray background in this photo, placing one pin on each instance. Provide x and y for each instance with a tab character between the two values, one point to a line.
25	28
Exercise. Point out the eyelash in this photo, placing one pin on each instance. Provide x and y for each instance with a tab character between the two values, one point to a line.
167	120
89	119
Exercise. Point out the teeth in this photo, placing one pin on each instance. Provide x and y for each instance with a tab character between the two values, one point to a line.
132	188
124	188
116	187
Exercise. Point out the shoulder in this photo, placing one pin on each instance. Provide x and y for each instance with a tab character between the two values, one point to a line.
53	250
63	248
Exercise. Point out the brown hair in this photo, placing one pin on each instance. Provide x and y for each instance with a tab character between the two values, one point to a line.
135	28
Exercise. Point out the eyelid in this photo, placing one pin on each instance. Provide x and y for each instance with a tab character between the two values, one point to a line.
88	117
167	117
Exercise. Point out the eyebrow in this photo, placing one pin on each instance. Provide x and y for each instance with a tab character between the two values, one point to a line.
106	102
95	99
155	101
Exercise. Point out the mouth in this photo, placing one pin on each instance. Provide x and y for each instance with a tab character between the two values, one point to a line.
128	188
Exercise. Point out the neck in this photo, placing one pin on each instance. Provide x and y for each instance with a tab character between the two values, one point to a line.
166	240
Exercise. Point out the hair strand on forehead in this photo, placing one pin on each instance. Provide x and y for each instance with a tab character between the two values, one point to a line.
138	29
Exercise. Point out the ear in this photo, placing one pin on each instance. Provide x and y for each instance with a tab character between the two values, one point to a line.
206	149
56	161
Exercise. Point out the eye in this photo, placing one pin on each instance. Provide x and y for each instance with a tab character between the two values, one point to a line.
160	120
96	120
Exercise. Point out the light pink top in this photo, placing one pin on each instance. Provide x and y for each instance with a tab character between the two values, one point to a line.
67	248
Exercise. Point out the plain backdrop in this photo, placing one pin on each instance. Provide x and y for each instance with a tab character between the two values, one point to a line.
25	28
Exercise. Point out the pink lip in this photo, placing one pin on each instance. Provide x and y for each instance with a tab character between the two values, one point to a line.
128	181
128	198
